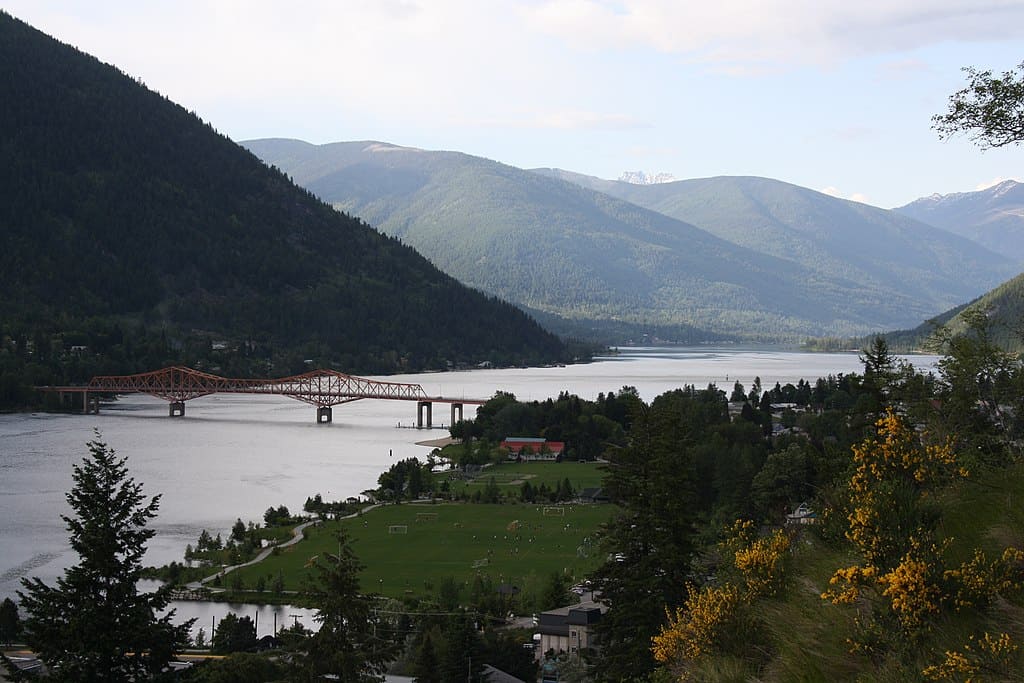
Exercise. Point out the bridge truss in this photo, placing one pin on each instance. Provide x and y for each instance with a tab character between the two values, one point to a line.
321	388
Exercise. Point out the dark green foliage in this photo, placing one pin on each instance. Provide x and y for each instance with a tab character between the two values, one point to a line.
990	109
234	634
586	427
278	516
10	622
347	644
460	653
94	624
130	228
406	479
238	668
651	541
425	667
556	592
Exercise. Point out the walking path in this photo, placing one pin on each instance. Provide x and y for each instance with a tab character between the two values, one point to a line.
297	536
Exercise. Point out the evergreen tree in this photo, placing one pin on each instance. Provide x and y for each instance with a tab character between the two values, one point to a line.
651	539
460	658
425	667
347	644
10	622
556	592
234	634
95	625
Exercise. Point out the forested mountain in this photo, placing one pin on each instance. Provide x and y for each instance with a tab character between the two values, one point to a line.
1003	307
882	250
556	247
135	232
993	217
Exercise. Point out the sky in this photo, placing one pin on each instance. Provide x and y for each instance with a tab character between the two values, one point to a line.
834	95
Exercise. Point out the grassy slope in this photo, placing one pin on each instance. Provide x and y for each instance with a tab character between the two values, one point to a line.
806	636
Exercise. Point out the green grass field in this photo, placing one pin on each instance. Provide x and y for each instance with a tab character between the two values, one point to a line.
509	476
408	549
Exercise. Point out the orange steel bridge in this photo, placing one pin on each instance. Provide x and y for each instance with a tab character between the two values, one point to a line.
321	388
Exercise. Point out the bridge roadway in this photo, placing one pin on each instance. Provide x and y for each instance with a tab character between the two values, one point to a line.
321	388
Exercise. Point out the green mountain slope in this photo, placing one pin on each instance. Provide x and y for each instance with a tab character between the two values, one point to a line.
561	249
1003	306
125	219
882	250
993	217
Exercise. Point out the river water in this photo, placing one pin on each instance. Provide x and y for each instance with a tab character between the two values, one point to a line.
234	456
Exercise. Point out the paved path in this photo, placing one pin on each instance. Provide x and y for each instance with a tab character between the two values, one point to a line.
265	553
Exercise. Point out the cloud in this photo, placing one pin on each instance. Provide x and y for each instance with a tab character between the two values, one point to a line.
735	35
834	191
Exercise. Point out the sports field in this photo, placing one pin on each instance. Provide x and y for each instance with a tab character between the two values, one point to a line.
510	476
408	549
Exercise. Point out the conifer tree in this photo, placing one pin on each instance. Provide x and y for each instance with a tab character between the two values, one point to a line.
95	625
347	644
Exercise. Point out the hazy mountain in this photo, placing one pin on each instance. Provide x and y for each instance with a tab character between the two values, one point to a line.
126	220
833	237
993	217
560	248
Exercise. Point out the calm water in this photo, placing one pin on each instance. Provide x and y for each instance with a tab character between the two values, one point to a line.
235	456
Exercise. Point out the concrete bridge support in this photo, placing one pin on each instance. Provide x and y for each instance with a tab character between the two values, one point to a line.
324	415
90	404
456	410
176	409
419	414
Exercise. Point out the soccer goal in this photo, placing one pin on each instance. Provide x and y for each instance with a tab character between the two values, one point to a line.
554	511
481	563
426	516
398	529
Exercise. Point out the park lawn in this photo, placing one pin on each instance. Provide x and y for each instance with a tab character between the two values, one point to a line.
517	544
509	476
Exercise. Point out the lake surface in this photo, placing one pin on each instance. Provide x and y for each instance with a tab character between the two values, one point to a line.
234	456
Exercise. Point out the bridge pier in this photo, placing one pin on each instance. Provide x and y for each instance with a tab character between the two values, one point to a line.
456	408
419	414
176	409
324	415
90	404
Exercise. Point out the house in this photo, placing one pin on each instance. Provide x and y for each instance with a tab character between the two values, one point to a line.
594	494
532	448
569	629
802	515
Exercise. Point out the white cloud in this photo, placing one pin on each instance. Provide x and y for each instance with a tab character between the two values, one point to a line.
740	34
834	191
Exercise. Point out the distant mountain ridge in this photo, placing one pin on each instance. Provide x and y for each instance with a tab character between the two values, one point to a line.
993	217
592	249
130	228
834	237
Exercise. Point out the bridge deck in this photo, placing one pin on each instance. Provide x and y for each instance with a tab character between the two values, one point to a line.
321	388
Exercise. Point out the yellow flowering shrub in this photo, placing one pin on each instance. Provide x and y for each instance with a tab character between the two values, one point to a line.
911	593
893	460
693	629
990	654
761	563
847	584
977	581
